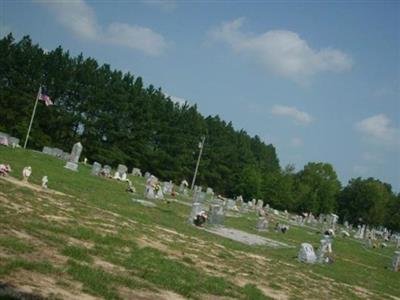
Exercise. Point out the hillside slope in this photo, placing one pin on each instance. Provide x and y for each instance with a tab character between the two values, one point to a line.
86	239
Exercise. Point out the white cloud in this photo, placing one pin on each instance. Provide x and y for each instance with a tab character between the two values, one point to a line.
296	142
135	37
282	52
164	5
80	19
378	129
293	113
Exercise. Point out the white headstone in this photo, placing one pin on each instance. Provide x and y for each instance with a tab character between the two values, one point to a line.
307	254
72	164
136	172
44	182
96	168
396	261
262	224
26	173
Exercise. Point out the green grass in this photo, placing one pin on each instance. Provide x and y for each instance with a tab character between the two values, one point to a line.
81	254
94	202
15	245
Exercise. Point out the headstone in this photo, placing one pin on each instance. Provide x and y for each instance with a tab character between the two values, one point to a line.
4	138
183	187
396	261
260	203
253	202
209	191
231	204
96	168
72	164
47	150
147	175
368	243
307	254
149	192
196	209
136	172
26	173
124	177
199	197
13	141
159	192
65	156
106	171
262	224
325	247
168	187
216	214
56	152
122	169
45	181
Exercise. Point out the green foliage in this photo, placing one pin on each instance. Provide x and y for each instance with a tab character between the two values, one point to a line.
392	219
317	187
366	201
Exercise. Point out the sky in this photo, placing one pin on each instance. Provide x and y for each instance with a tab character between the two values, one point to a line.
320	80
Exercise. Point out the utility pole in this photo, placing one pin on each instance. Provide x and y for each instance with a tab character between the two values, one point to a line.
201	145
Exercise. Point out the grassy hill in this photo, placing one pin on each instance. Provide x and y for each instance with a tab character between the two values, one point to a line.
89	240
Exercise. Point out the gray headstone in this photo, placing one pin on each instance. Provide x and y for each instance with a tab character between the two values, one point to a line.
106	170
65	156
396	261
230	204
168	187
122	169
216	214
72	164
56	152
96	168
199	197
136	172
196	209
307	254
13	141
262	224
47	150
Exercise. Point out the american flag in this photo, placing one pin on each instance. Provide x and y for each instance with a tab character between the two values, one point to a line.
42	95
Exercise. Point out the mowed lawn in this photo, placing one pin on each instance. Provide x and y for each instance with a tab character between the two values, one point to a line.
90	240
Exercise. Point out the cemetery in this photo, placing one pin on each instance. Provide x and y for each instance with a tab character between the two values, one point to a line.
158	239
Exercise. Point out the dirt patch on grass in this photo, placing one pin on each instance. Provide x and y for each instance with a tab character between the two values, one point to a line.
267	291
126	293
15	207
31	186
79	243
38	284
107	266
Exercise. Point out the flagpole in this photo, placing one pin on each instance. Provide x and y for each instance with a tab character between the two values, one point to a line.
198	162
33	115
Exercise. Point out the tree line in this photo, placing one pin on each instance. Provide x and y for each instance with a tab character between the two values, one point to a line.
119	120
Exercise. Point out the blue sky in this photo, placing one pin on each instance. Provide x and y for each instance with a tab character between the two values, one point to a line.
318	80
